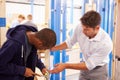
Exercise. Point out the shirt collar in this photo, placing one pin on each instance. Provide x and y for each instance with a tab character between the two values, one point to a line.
97	37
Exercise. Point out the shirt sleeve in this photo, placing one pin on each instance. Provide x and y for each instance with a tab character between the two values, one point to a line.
40	64
99	56
71	41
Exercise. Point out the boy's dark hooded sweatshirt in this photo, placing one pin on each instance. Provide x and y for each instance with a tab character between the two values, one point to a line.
17	53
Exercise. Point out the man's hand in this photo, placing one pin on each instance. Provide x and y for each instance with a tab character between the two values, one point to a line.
30	73
58	68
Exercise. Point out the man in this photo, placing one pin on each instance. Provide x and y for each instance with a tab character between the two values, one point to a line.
19	20
18	55
95	44
29	21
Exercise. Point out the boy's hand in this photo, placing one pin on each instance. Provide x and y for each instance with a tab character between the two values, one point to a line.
30	73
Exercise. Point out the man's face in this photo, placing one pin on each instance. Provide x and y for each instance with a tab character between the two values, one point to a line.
90	32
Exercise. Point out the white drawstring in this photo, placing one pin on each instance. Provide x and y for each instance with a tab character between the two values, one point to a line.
22	52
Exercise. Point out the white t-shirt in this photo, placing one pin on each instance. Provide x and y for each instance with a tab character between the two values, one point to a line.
95	50
14	23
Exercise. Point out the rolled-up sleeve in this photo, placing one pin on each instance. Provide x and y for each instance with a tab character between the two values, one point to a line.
99	57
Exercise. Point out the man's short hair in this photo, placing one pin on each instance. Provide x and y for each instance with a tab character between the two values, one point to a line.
47	36
29	16
91	19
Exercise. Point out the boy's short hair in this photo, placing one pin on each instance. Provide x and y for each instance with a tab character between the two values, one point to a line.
47	36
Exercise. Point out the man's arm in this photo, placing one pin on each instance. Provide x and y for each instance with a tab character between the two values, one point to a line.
59	47
61	66
77	66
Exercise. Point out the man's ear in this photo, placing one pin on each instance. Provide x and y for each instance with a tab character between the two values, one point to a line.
98	27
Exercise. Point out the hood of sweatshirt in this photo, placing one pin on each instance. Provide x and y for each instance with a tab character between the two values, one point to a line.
18	33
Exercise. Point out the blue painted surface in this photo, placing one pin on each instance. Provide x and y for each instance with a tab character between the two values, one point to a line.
71	12
32	6
83	6
110	31
2	22
52	21
111	17
106	18
55	25
64	22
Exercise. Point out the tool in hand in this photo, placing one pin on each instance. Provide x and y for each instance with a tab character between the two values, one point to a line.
46	75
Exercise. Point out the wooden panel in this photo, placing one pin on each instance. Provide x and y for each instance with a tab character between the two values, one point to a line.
117	32
2	8
3	31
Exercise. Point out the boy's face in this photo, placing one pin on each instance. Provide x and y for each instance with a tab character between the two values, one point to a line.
38	45
90	32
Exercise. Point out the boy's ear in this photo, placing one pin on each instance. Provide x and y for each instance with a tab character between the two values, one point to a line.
40	43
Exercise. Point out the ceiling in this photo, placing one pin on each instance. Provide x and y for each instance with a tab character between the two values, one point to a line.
27	1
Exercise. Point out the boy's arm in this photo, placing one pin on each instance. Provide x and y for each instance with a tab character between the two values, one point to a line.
7	52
